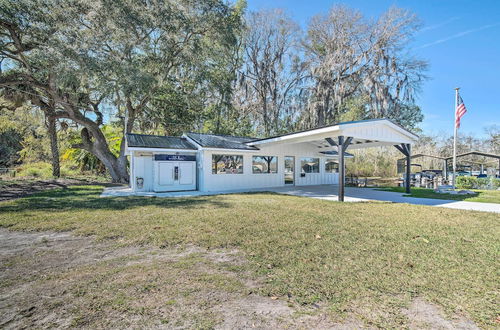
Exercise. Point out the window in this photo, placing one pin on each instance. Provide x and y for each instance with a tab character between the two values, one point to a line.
331	166
227	164
309	165
264	164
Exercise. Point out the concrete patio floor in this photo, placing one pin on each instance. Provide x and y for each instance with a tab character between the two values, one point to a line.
326	192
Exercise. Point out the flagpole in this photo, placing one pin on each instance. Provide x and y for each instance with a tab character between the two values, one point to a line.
455	140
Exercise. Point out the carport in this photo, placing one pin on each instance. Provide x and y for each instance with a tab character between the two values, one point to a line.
350	135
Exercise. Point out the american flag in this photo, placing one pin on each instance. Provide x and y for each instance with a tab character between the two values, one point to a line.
459	111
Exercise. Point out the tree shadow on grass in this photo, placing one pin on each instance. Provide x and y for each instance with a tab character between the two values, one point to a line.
88	197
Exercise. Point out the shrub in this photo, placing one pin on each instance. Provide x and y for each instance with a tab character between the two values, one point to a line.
471	182
35	170
466	182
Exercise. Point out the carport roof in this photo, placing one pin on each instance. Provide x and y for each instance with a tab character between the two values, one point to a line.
364	133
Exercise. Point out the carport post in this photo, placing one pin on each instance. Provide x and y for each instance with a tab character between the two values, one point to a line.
343	144
341	169
445	170
408	168
405	149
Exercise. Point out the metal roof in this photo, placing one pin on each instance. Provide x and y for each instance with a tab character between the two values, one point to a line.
477	153
157	141
222	141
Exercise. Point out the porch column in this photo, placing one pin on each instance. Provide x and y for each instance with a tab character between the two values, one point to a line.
342	144
405	149
341	169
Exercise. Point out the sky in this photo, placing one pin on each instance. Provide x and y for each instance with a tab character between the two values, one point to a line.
461	41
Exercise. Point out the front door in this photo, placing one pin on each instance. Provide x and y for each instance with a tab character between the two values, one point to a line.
175	176
289	170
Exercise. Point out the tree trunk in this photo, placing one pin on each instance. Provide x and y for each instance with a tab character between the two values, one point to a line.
56	169
117	166
95	142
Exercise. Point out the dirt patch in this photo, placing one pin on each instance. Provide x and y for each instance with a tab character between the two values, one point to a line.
21	188
424	315
58	280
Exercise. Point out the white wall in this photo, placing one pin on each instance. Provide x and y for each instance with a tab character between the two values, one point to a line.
221	182
142	167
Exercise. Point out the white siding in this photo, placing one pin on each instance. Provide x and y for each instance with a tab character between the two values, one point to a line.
142	167
249	180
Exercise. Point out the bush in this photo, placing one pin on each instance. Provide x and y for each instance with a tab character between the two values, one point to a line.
471	182
35	170
465	182
43	170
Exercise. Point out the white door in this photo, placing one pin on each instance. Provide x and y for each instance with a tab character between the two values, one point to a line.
186	173
175	176
165	173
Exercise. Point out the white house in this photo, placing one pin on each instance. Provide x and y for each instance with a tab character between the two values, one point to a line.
209	162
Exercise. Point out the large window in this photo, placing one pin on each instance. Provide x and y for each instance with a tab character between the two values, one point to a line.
309	165
265	164
227	164
331	166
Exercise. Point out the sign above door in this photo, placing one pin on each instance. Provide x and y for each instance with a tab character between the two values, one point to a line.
176	158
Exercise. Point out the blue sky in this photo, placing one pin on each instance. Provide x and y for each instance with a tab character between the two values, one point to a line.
461	41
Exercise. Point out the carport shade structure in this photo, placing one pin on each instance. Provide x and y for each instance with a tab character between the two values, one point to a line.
493	157
352	135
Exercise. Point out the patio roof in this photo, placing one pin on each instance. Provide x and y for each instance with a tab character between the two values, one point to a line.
364	133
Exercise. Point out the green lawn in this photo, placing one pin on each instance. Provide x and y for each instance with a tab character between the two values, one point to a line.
365	259
483	196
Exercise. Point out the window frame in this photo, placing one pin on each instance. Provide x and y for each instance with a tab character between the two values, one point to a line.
332	160
274	158
302	160
221	155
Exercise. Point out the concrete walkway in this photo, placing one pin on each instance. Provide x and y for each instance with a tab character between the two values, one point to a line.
326	192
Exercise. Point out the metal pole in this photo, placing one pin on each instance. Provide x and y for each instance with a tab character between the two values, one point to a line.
445	170
455	140
408	169
341	168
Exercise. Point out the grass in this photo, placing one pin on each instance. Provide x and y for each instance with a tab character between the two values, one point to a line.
366	259
483	196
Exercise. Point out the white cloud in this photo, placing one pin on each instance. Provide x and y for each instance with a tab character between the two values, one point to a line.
436	26
458	35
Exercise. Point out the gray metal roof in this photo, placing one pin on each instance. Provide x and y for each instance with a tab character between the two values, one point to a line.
222	141
157	141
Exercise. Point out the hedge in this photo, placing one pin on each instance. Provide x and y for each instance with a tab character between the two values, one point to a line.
472	182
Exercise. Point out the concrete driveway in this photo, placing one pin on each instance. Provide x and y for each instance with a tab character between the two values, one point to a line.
329	192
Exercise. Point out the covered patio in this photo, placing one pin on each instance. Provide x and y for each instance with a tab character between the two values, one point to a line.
349	135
